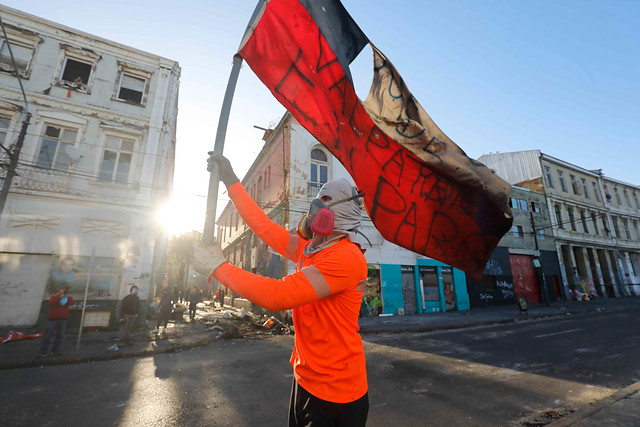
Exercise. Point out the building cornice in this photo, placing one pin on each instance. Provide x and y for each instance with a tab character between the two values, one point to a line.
566	164
52	29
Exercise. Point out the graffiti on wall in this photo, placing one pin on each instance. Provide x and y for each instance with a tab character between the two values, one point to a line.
76	272
507	289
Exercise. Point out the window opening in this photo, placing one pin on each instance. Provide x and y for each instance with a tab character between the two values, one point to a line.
615	191
76	72
131	88
116	160
583	218
563	185
523	205
535	206
4	128
319	167
558	212
513	202
548	176
595	191
585	188
595	222
625	224
626	198
21	54
517	230
575	185
53	147
616	228
572	219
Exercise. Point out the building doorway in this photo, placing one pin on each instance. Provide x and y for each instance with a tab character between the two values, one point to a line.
408	289
525	283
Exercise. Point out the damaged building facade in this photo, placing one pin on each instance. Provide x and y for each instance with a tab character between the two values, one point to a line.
97	161
594	220
283	180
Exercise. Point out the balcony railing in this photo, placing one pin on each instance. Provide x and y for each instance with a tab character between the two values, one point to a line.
43	180
313	188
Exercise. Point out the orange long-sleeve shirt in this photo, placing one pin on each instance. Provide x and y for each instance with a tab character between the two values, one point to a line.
324	293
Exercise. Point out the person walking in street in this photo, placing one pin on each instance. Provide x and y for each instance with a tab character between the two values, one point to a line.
56	321
221	297
330	380
194	298
166	307
129	313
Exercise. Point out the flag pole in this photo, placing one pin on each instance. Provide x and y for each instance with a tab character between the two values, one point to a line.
214	175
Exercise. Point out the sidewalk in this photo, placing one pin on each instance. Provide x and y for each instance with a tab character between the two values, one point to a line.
211	324
620	409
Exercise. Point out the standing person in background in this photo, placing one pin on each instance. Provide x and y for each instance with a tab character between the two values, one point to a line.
128	313
166	307
330	378
176	293
56	321
194	298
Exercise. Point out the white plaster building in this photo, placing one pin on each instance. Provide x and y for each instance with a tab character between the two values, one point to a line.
97	161
594	219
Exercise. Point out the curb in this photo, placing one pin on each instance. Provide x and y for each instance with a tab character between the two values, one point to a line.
36	363
591	409
400	330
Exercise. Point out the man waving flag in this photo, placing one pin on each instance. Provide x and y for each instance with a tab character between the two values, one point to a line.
422	191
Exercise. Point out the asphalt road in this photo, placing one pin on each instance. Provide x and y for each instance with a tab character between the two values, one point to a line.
504	375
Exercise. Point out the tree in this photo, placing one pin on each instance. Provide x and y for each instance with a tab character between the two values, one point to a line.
179	255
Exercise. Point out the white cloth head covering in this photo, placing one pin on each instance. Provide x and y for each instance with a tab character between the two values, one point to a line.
347	215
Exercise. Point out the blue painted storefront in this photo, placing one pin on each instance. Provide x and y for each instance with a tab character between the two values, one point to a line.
424	288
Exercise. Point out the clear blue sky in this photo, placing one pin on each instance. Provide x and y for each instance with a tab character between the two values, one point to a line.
495	75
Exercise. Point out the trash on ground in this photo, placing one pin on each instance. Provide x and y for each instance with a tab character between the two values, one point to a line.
17	336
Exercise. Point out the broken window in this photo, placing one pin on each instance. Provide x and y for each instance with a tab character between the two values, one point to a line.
53	152
23	44
116	160
131	88
21	54
76	73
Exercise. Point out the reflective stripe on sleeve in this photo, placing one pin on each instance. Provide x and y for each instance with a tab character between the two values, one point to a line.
319	284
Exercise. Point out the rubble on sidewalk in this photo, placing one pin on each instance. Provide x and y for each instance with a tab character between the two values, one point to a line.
230	322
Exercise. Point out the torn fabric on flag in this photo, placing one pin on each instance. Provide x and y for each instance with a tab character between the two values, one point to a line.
422	191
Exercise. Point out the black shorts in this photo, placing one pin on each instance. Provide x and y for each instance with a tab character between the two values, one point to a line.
308	410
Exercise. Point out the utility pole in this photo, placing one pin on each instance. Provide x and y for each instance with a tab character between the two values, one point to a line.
537	262
14	155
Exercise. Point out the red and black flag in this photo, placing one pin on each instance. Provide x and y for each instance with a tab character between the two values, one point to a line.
422	191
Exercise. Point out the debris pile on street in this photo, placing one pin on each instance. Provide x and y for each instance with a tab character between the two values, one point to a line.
231	322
